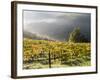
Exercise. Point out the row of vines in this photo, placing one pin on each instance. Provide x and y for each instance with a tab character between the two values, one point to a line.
55	52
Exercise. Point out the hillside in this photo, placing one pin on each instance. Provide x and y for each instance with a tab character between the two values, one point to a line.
35	36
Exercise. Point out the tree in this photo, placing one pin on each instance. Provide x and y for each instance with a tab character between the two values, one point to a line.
73	37
77	36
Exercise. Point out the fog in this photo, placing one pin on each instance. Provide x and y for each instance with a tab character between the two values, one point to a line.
56	25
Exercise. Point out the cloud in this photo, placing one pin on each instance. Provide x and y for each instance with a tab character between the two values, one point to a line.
49	20
49	17
56	24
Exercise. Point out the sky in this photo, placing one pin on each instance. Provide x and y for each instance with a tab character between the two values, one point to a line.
56	25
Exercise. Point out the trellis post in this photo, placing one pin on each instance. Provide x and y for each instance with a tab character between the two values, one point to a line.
49	60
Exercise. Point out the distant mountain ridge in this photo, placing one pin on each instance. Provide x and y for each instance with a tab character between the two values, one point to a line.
35	36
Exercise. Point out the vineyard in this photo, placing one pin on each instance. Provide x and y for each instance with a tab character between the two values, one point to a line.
49	54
